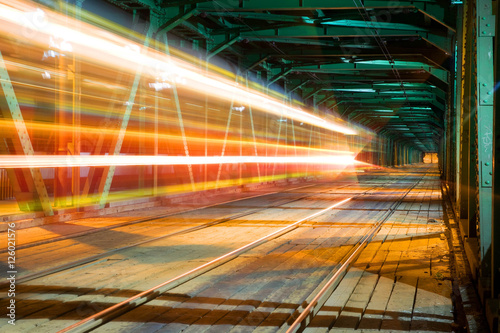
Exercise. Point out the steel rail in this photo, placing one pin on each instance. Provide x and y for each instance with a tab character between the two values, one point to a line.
322	296
114	311
147	219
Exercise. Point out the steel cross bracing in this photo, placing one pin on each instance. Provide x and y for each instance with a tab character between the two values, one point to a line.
383	65
313	45
28	184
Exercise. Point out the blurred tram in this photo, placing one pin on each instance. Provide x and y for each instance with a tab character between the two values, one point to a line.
76	84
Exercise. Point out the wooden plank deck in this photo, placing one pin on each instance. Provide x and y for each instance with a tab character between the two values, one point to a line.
400	282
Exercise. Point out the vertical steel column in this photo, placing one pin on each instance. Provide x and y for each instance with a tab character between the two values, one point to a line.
485	33
35	193
467	145
495	228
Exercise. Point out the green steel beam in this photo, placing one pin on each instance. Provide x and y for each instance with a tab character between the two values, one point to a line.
485	34
300	85
257	63
311	93
432	9
351	20
376	65
198	28
229	40
22	144
327	32
389	101
495	232
176	16
325	99
302	41
383	86
283	73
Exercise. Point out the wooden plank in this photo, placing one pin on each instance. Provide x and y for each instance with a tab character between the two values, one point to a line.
397	315
433	309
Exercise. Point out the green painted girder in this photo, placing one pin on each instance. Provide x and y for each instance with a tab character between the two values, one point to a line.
256	63
427	54
173	3
379	59
284	72
429	123
368	77
312	93
175	16
386	98
198	28
330	85
439	73
302	41
385	101
381	86
380	90
433	9
351	20
371	65
444	42
325	99
298	86
389	93
228	41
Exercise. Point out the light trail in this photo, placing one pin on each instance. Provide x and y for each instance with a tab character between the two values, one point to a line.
64	35
54	161
6	126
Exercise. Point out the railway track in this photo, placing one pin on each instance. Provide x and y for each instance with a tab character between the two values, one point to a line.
80	301
160	227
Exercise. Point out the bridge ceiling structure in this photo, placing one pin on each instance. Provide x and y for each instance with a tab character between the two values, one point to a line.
384	64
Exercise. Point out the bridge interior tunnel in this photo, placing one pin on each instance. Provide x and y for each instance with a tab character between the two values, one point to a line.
109	105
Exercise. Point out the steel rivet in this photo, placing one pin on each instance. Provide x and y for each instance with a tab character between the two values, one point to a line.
484	84
491	173
484	18
488	25
484	32
489	92
487	182
485	100
487	163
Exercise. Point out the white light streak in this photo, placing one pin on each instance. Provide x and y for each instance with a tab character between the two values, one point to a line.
54	161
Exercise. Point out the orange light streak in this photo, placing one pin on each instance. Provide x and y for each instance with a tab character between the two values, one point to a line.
53	161
63	35
58	128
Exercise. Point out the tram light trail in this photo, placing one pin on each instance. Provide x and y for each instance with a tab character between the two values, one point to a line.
41	161
187	129
59	34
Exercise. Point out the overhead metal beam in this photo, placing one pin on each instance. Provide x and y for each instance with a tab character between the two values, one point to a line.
434	10
300	85
325	99
230	40
278	76
175	18
256	63
316	33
